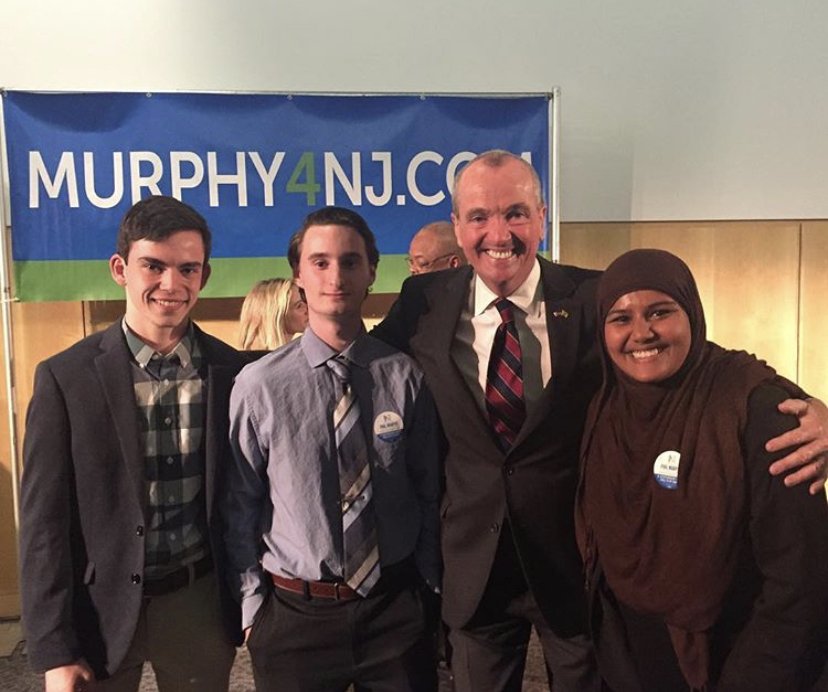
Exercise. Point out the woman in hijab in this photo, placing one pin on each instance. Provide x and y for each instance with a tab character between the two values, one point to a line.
704	572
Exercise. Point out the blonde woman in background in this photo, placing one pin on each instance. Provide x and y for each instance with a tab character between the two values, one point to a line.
272	314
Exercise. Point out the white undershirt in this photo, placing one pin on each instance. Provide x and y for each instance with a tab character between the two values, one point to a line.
472	344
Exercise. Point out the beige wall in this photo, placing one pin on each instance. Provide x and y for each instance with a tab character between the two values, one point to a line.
763	285
813	323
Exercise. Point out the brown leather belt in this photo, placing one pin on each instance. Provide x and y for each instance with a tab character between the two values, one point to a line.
336	591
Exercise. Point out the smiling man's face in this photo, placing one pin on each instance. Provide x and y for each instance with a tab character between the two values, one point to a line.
162	280
499	222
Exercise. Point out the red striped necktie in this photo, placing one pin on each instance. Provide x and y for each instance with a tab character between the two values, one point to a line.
504	380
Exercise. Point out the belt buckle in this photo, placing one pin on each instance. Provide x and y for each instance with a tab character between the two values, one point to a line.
336	585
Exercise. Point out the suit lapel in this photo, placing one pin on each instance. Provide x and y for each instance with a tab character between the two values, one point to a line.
115	379
445	299
563	319
219	383
433	340
432	343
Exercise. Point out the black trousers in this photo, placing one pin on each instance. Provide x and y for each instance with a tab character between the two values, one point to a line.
382	643
489	653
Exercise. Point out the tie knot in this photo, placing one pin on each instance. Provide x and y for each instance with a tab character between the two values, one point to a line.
504	307
339	366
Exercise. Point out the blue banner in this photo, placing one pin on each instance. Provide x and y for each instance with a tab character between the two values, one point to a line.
254	165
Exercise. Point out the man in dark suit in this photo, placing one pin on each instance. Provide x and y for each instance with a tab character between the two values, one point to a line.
510	559
126	435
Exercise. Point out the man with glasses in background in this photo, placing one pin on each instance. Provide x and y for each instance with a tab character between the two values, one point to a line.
433	248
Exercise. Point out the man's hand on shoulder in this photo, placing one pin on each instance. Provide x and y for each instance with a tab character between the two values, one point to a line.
809	460
71	678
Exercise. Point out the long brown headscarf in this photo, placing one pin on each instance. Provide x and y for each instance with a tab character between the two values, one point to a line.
669	552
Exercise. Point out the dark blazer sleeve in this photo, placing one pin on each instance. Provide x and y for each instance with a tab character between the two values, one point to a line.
47	504
400	324
782	646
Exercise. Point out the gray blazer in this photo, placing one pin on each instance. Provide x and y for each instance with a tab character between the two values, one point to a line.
83	500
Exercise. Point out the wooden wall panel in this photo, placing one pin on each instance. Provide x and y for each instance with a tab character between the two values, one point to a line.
748	277
813	315
593	245
734	262
39	330
9	599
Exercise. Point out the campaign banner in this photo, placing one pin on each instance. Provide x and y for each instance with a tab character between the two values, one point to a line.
253	164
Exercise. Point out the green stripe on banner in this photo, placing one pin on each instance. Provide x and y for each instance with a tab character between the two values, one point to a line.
90	279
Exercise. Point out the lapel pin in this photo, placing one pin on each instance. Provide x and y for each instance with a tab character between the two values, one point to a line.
560	313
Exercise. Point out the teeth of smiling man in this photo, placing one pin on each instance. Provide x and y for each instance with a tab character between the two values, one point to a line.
500	254
638	355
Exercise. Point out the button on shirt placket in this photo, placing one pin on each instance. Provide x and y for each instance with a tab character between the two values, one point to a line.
170	394
164	369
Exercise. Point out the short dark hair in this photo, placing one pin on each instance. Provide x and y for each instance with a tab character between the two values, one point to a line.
333	216
157	218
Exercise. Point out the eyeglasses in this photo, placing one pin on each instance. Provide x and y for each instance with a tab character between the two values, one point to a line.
418	264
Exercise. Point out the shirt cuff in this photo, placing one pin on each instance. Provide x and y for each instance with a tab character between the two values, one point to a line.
250	606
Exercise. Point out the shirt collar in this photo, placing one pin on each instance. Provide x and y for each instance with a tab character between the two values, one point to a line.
525	297
143	352
318	352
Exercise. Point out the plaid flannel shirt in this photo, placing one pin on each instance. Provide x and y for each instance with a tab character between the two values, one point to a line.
170	401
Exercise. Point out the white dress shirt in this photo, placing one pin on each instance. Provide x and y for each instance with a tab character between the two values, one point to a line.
472	344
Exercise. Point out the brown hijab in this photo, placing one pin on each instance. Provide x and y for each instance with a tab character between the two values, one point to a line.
669	551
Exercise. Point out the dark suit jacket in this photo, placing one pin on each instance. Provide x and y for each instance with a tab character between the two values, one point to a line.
534	484
83	500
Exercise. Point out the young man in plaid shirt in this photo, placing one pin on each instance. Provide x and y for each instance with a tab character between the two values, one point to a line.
126	435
